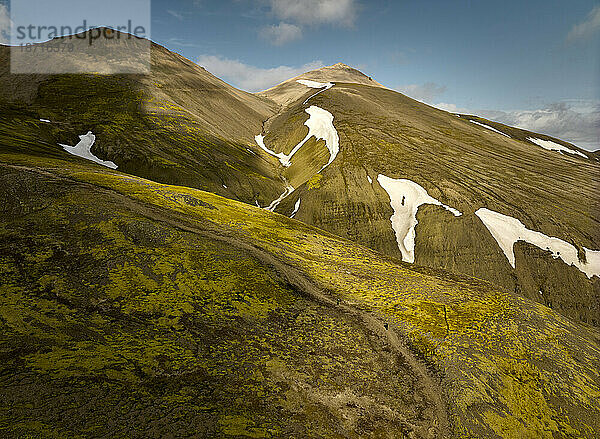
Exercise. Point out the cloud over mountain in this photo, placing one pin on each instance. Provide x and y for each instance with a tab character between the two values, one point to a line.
577	122
252	78
423	92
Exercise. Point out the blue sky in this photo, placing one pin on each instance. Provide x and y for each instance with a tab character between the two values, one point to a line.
532	63
498	53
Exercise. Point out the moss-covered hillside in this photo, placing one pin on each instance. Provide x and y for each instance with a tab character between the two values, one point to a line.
178	125
153	311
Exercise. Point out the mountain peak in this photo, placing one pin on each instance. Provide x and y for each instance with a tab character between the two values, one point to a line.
290	90
341	65
339	72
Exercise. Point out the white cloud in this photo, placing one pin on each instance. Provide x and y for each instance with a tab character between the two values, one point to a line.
451	108
175	14
341	12
182	42
586	28
281	33
423	92
252	78
4	24
577	122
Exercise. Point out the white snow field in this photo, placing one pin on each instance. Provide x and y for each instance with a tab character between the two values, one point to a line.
83	150
490	128
296	207
315	84
507	230
406	196
553	146
320	125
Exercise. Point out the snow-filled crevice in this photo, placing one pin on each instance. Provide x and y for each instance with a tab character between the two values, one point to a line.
405	198
553	146
83	150
314	84
320	126
296	208
507	230
288	190
489	128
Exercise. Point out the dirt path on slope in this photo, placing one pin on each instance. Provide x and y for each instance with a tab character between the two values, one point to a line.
312	290
439	420
433	392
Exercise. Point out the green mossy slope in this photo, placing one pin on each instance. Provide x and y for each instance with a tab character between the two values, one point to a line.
509	367
116	324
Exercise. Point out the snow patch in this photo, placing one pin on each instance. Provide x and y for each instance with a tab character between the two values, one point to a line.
315	84
260	141
296	207
288	190
507	230
320	125
45	120
370	179
489	128
405	198
225	186
553	146
83	150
